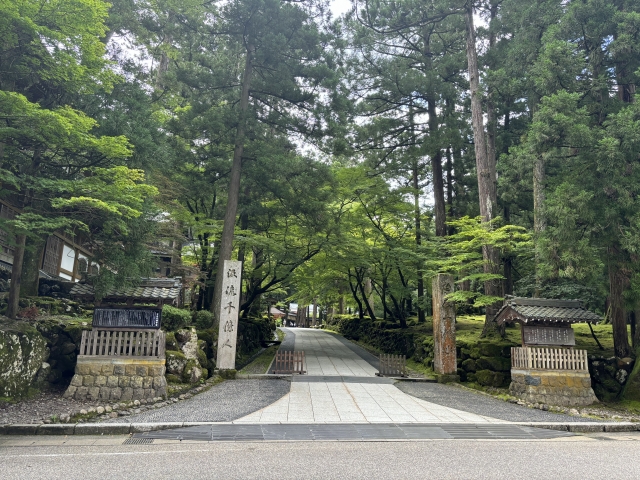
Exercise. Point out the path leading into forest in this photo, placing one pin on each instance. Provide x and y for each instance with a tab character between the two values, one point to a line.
341	387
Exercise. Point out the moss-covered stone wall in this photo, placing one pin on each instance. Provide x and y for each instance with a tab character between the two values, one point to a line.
23	354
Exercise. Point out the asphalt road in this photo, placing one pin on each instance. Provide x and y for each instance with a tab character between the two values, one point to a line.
588	457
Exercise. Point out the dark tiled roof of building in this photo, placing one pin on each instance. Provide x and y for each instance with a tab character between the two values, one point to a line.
148	289
544	310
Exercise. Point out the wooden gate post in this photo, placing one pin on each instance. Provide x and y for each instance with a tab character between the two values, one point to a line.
444	330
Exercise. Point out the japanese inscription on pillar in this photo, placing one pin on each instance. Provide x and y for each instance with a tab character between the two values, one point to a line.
228	315
444	326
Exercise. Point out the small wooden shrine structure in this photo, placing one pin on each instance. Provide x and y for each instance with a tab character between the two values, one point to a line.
122	357
547	368
158	291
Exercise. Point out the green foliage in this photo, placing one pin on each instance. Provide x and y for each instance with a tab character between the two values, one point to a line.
175	318
464	253
203	319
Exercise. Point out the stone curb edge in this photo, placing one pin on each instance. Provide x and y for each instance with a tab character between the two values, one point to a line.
130	428
262	376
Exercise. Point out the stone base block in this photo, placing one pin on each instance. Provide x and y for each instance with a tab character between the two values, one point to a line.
117	379
565	388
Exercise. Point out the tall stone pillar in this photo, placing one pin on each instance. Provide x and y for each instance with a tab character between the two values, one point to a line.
444	330
229	310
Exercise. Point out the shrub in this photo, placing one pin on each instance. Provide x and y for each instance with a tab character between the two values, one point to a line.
174	318
203	319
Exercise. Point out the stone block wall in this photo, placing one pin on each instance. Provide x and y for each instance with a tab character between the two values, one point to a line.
117	379
565	388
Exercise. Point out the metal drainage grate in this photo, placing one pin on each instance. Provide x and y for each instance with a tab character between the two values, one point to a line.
351	432
138	441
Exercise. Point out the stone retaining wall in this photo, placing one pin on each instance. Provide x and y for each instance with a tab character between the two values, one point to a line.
555	387
118	379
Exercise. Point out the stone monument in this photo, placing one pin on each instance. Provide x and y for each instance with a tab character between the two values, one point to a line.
444	330
228	315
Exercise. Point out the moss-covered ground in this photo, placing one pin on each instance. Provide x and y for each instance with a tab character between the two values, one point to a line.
469	330
260	365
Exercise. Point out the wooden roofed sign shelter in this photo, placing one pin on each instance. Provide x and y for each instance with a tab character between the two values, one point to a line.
123	356
547	368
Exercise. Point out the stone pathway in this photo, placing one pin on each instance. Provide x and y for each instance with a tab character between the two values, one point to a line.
324	402
222	403
371	400
340	388
326	355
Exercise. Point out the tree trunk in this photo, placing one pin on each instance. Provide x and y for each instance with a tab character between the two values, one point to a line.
539	219
226	242
491	104
16	276
368	288
634	320
315	312
436	153
508	261
365	298
416	211
31	263
416	207
486	172
436	171
617	284
449	181
354	292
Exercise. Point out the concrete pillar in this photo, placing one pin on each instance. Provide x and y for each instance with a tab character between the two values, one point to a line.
444	330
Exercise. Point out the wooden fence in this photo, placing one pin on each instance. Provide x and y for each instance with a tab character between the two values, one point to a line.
395	365
549	358
123	343
289	362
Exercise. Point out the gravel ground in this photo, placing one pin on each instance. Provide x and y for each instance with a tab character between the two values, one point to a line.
40	408
480	404
224	402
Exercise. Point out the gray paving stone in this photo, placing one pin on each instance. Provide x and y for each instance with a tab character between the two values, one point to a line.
458	398
224	402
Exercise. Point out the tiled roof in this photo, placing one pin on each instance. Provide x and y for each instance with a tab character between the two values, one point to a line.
148	289
546	310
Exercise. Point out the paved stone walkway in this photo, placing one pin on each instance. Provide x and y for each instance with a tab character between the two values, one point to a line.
326	355
340	388
349	401
222	403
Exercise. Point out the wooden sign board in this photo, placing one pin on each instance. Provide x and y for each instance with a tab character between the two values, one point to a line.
548	336
126	318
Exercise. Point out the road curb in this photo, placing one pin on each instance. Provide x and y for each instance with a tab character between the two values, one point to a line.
414	379
88	428
584	427
262	376
130	428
